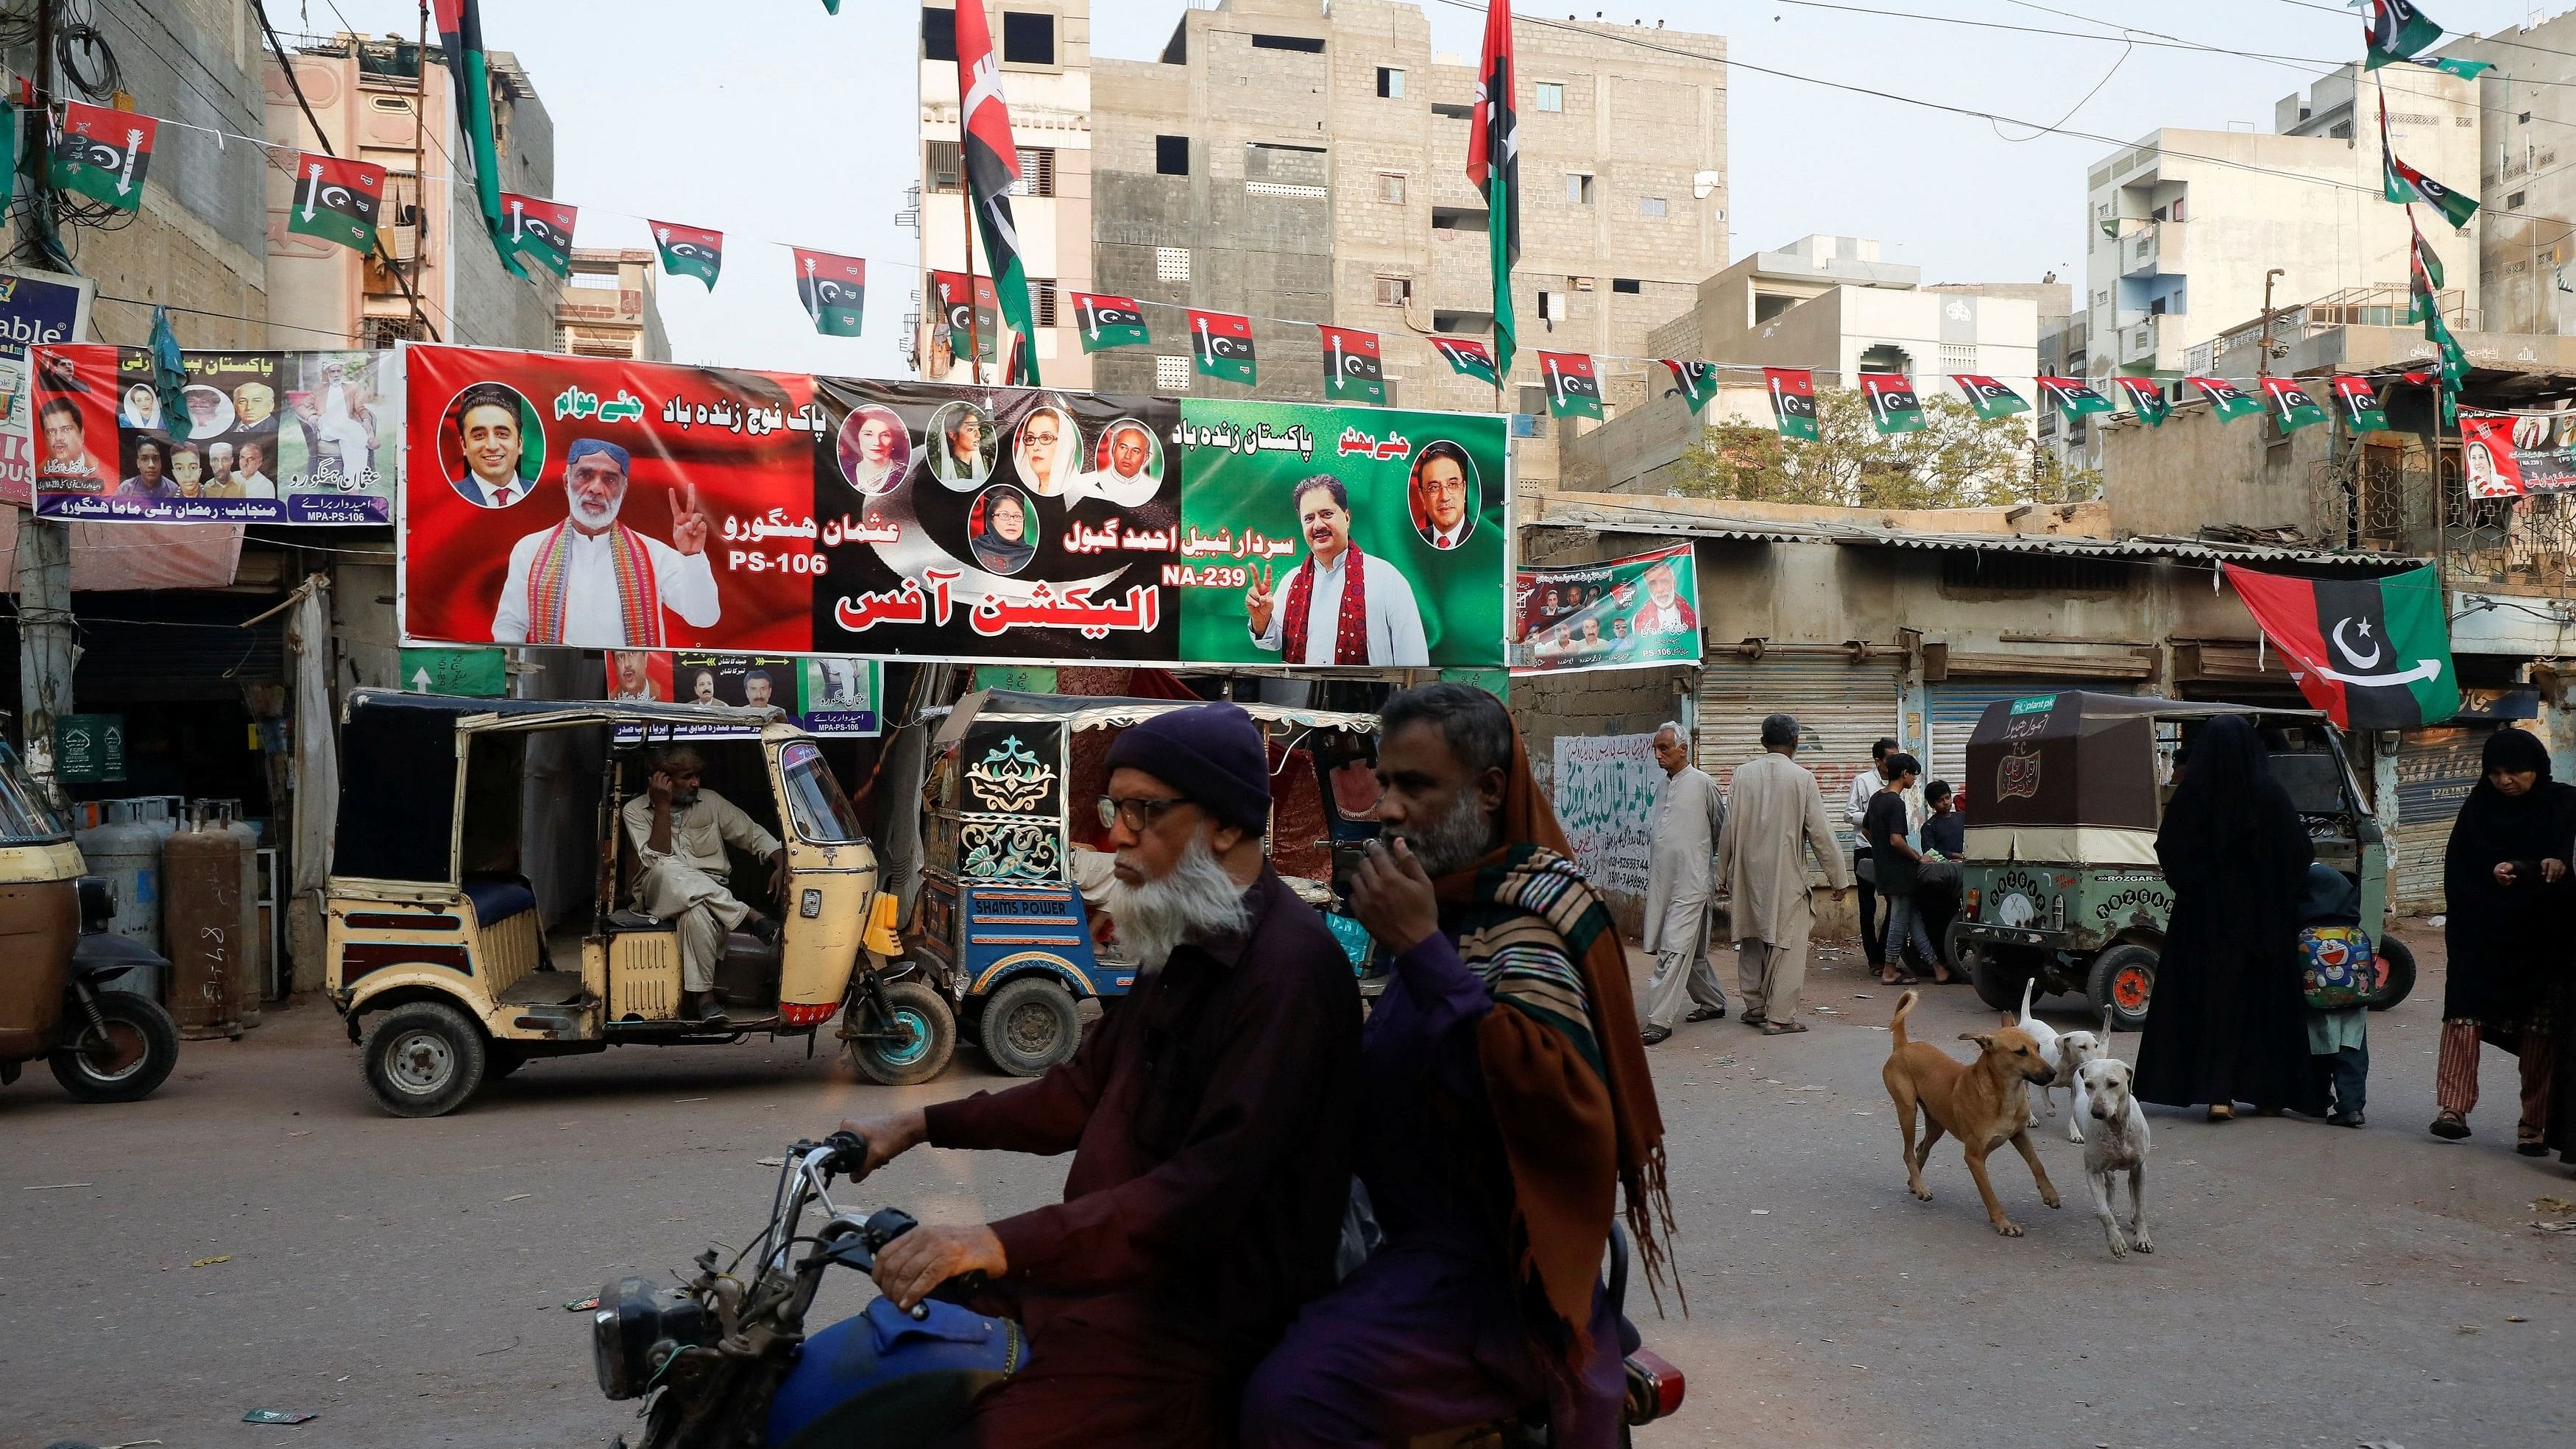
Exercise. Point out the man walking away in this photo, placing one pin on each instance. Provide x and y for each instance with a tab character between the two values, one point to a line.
1899	866
1775	815
1864	788
1688	818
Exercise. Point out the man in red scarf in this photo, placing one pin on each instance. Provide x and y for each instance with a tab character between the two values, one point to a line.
1343	607
591	580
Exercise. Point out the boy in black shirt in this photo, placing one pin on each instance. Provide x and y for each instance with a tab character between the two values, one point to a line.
1897	862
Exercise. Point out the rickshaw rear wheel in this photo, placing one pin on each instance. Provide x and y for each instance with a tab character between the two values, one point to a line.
127	1062
1030	1025
2400	959
424	1058
2122	979
925	1036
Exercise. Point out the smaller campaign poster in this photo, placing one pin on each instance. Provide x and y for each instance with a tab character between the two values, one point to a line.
2510	454
37	309
824	695
1624	614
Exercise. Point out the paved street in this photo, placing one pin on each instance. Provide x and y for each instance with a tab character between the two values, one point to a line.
405	1280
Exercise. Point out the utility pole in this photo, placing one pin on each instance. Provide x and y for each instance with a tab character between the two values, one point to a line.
44	562
2263	354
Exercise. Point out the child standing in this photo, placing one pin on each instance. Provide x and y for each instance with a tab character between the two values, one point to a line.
2339	978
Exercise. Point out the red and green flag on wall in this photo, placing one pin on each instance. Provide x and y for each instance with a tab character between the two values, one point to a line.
460	33
2374	654
2361	410
1695	381
1494	165
2292	408
1352	371
1467	357
833	290
1793	401
2227	401
1221	344
1573	388
2396	30
1989	398
2147	397
970	330
2402	183
992	168
688	251
1893	407
2074	397
337	201
1106	321
103	154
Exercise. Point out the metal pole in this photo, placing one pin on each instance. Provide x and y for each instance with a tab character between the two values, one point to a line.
2263	353
44	564
966	207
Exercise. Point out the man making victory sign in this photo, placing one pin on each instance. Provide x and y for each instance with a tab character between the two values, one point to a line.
1342	606
591	581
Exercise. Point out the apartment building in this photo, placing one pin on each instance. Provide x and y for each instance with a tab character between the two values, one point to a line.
2527	225
610	306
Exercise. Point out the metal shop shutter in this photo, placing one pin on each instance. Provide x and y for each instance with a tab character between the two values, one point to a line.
1958	704
2436	766
1841	707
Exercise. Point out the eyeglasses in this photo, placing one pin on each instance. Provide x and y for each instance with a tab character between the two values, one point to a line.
1136	813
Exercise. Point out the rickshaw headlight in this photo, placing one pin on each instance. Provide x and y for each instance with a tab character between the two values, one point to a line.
633	1318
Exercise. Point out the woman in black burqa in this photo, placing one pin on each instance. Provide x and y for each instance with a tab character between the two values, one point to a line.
2228	1020
2503	884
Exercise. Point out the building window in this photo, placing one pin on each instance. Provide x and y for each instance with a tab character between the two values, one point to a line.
1458	218
1042	294
1451	111
1578	188
1028	39
938	34
1037	172
944	164
1551	306
1390	186
1956	358
1629	285
2514	201
1171	264
1307	44
1550	96
1390	83
1394	291
1171	374
1171	155
1650	206
1580	284
383	332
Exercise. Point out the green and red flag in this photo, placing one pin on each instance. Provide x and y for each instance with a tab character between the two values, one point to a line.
1793	401
2361	410
540	230
1494	165
2147	396
1221	344
1990	399
1695	381
1108	321
1573	388
1467	357
833	289
337	201
1892	403
1352	371
688	251
2292	408
460	33
2374	654
2402	183
2227	401
103	154
992	168
2465	69
2396	30
970	333
2423	276
2074	397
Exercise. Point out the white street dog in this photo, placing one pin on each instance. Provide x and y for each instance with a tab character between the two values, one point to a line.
2115	1140
2074	1049
2043	1036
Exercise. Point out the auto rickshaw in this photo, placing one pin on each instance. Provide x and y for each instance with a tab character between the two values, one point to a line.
1014	854
2060	883
446	970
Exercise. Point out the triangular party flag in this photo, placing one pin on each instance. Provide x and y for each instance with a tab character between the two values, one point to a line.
1573	389
2074	397
689	252
169	376
1494	165
992	166
460	34
1352	372
103	154
2147	396
2374	654
1990	398
539	230
337	201
2291	405
833	290
971	331
2401	183
2227	401
1105	321
1467	357
1695	381
1892	403
2361	410
1222	344
1793	401
2396	30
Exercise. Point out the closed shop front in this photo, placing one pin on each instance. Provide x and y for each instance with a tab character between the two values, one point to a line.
2436	766
1957	705
1842	708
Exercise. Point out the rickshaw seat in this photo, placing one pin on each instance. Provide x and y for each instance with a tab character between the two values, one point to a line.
498	898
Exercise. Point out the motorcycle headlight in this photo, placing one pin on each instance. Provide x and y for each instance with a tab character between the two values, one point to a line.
633	1318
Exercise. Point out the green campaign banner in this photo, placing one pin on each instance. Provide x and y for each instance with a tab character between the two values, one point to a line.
1625	613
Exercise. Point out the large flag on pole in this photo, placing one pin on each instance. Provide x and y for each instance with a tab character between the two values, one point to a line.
2396	30
2374	654
460	32
992	166
1494	164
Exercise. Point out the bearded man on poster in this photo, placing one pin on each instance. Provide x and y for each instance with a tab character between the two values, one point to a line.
1342	607
591	581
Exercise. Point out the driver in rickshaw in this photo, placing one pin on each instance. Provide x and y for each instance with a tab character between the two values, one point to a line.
680	830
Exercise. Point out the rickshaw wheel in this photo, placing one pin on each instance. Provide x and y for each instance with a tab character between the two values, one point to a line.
2122	981
2399	958
1030	1025
1998	984
926	1036
126	1063
424	1058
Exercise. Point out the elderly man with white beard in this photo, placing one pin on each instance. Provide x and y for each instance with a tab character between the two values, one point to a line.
1209	1114
591	581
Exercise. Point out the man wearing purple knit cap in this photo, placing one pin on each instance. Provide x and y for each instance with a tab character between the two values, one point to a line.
593	582
1209	1116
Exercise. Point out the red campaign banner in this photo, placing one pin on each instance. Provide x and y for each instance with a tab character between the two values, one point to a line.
2508	455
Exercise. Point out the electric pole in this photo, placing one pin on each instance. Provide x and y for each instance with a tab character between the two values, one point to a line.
44	562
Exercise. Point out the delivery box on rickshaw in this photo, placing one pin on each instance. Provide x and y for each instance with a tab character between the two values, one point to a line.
2060	882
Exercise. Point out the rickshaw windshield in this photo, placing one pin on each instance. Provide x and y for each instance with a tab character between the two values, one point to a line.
24	815
823	813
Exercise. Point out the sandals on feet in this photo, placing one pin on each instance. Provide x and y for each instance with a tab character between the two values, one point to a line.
2449	1127
1706	1013
1782	1028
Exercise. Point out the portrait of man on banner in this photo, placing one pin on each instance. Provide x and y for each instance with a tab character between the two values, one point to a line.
490	422
591	581
1444	492
1341	606
1665	610
1129	465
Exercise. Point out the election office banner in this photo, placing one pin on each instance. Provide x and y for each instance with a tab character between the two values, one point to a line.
1641	610
2510	454
263	437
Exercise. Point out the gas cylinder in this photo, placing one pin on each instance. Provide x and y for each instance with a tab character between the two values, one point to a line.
127	851
225	815
210	971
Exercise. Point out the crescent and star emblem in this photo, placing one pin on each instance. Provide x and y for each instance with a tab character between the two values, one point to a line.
2358	660
2424	668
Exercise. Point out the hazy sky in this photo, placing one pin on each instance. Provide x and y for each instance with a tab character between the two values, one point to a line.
783	124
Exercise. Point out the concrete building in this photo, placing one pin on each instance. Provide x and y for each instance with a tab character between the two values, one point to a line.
2183	229
377	101
2527	225
610	308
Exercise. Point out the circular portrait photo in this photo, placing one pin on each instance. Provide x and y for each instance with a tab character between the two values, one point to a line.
874	450
962	444
491	445
1003	529
1127	466
141	408
1049	451
1445	495
209	411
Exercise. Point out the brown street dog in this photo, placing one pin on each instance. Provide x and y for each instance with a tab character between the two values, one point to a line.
1984	1103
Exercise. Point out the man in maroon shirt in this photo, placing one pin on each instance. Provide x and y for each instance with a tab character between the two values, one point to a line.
1209	1114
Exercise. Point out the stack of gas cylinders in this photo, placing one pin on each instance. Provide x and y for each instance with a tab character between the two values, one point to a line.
187	885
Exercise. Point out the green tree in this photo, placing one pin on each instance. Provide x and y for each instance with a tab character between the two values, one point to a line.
1958	460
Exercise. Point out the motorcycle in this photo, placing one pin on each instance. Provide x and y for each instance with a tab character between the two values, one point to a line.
724	1361
103	1044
